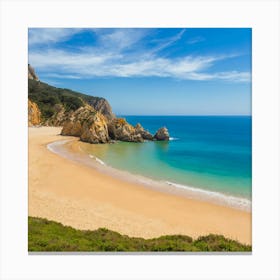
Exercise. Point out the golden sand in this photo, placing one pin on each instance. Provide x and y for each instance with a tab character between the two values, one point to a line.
85	198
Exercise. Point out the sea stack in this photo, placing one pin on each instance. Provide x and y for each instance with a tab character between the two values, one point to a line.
146	135
162	134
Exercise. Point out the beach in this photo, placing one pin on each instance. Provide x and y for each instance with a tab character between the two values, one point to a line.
81	196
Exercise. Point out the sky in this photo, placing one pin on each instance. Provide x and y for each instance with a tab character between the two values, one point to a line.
149	71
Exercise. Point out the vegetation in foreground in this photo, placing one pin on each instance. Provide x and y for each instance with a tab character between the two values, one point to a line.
49	236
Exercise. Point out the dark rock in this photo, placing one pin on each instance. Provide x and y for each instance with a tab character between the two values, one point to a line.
162	134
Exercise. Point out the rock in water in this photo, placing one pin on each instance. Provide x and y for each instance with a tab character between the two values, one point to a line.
162	134
146	135
120	129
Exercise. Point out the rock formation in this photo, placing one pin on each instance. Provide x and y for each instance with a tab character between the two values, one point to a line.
34	114
162	134
88	124
120	129
146	135
92	127
31	73
102	105
88	117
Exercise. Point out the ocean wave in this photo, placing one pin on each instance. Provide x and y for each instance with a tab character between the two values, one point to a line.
173	138
233	201
53	146
97	159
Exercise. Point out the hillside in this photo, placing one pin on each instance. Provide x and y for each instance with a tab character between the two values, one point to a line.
88	117
52	100
44	235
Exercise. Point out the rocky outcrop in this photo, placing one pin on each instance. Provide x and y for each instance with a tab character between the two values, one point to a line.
34	114
88	117
31	73
59	117
146	135
92	127
120	129
102	105
88	124
162	134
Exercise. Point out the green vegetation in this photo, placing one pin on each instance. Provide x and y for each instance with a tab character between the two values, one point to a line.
47	97
44	235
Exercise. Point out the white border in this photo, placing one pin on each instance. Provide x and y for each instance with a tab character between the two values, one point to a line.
262	16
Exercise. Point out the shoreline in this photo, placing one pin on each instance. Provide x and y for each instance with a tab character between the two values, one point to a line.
85	198
70	149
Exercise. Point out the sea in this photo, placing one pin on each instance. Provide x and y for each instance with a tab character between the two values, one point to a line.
209	155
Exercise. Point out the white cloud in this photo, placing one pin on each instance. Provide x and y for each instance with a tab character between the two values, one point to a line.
120	39
49	35
167	42
121	53
232	76
90	65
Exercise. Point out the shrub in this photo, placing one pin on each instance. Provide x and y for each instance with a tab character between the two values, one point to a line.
44	235
48	97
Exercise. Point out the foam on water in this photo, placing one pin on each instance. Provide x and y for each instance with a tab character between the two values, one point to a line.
52	146
220	198
97	159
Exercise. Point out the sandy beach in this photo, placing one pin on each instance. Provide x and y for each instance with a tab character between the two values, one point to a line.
85	198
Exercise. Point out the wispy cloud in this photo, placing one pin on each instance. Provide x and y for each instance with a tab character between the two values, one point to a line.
195	40
122	53
120	39
49	35
164	43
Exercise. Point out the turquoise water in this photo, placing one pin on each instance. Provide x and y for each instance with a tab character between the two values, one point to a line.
207	152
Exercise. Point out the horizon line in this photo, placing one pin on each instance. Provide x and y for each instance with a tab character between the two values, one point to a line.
183	115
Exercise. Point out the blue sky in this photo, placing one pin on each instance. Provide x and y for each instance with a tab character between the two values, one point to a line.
150	71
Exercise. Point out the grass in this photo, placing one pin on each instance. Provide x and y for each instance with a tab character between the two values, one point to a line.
49	236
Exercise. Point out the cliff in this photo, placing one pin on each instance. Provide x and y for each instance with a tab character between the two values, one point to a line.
101	105
31	73
88	117
55	104
34	114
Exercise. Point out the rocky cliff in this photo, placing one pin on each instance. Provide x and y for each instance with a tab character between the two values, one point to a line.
56	104
34	114
88	117
88	124
101	105
31	73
